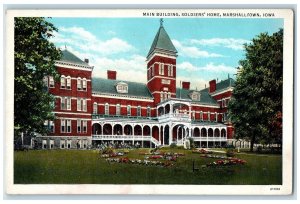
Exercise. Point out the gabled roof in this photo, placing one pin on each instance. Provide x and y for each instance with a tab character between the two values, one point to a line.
162	41
108	86
67	56
205	98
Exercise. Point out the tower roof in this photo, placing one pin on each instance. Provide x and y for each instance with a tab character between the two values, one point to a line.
67	56
162	41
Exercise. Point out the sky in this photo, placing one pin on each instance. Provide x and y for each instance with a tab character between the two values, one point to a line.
208	48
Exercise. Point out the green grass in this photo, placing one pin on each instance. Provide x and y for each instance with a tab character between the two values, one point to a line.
86	167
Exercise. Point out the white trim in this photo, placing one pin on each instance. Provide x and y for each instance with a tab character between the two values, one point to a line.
134	98
153	54
161	77
222	91
87	114
73	66
72	98
74	119
224	98
203	105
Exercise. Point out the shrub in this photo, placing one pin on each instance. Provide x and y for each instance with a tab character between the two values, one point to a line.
230	153
108	150
173	145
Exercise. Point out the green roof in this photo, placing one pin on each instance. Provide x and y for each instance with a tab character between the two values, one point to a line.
67	56
225	84
204	96
162	41
101	85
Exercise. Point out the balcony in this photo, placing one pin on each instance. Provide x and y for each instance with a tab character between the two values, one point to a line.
175	117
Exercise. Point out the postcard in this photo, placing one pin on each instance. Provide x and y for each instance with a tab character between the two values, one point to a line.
149	101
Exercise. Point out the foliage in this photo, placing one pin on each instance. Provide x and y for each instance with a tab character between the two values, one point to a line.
192	143
34	58
256	105
230	152
173	145
107	150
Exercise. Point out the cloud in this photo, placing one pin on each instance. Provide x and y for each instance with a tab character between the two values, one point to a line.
232	43
129	69
193	52
210	67
196	83
85	41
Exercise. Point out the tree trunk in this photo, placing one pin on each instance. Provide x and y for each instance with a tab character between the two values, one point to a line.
251	145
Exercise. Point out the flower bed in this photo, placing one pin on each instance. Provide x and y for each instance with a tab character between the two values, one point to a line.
227	162
139	162
202	151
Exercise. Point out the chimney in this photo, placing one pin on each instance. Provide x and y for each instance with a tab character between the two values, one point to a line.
212	86
186	85
111	75
86	61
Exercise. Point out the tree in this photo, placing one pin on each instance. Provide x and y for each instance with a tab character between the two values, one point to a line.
34	58
256	105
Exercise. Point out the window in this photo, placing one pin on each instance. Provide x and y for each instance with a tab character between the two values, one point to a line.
84	104
79	104
129	110
208	116
148	111
51	82
161	97
106	109
161	69
152	70
62	82
51	126
68	82
84	84
63	103
45	80
165	96
62	125
95	108
62	144
169	95
225	117
84	124
122	87
193	115
78	126
68	126
118	109
79	84
170	70
201	116
216	116
139	111
68	103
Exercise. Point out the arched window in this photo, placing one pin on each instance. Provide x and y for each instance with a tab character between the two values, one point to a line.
118	109
51	82
128	110
106	109
161	97
84	84
148	111
62	82
139	111
95	108
68	82
79	83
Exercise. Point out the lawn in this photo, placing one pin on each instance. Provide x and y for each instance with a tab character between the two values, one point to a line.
87	167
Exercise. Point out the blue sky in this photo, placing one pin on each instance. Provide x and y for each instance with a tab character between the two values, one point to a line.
207	48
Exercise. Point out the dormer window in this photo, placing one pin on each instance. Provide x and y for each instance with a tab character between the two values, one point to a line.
122	87
195	96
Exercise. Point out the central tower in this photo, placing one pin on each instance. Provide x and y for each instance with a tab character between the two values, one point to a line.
161	66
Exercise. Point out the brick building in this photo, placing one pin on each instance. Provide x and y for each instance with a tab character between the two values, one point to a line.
96	110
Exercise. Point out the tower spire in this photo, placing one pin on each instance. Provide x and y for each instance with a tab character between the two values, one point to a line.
161	22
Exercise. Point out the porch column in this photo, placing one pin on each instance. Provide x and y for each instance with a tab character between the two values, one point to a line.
163	135
214	137
170	135
206	138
